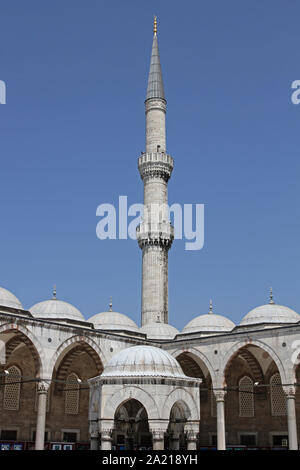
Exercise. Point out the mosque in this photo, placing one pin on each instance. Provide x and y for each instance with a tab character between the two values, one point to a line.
106	383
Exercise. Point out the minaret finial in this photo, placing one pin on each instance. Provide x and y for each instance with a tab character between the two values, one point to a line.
210	306
54	292
155	25
110	304
271	296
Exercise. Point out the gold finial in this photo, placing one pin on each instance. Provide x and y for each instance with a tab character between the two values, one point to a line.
155	25
110	304
271	296
54	292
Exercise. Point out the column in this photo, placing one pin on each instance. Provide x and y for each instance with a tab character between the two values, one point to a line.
42	391
106	439
290	392
191	430
220	397
158	439
94	441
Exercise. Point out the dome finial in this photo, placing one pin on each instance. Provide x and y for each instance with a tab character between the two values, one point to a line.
54	292
155	25
210	306
110	304
271	296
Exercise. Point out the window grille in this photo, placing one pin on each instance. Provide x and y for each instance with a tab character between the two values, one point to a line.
246	397
72	395
12	389
278	399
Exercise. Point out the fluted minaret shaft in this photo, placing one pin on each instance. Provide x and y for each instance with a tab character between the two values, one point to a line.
155	234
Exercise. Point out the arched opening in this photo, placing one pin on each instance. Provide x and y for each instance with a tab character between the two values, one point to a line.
131	428
175	436
193	366
69	392
18	381
251	398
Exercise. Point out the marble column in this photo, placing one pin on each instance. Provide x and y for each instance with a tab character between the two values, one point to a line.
106	439
191	437
158	439
94	441
220	399
42	390
290	392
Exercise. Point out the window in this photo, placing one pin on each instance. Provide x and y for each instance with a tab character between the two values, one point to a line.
72	395
70	436
280	440
278	399
8	435
12	389
248	439
246	398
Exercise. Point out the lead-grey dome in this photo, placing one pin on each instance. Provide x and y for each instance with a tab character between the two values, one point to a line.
159	331
8	299
56	310
210	322
270	313
113	321
143	361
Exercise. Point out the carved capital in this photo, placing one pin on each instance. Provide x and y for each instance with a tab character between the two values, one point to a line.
289	390
220	395
43	387
106	434
158	434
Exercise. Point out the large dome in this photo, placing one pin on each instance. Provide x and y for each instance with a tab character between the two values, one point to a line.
210	322
113	321
159	331
56	310
270	313
7	299
143	361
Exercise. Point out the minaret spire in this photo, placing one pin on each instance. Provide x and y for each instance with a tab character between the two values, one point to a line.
155	234
155	87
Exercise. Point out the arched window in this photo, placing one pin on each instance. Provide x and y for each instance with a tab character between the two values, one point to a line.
246	398
12	389
72	395
278	399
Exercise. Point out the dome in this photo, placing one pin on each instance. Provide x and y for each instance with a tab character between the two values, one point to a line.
56	310
159	331
270	313
113	321
7	299
143	361
210	322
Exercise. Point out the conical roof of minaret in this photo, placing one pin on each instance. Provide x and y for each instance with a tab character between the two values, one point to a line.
155	87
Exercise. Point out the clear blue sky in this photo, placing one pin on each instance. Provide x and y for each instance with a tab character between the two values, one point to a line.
73	128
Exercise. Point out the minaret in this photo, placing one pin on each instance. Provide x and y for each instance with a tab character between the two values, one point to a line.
155	234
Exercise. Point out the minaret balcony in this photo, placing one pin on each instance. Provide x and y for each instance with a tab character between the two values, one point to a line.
161	234
155	165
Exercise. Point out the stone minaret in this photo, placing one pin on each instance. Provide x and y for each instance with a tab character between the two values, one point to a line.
155	233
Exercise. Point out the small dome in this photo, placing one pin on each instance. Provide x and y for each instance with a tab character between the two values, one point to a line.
113	321
143	361
7	299
270	313
56	310
210	322
159	331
